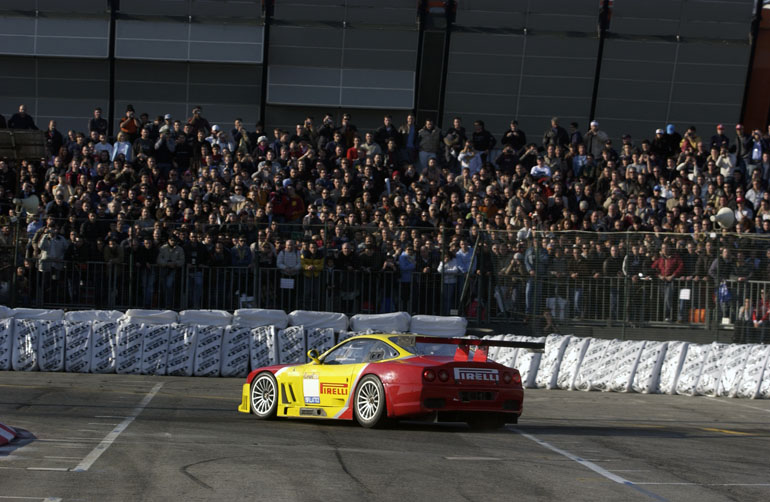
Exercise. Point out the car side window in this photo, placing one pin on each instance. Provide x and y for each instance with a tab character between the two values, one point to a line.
380	351
352	352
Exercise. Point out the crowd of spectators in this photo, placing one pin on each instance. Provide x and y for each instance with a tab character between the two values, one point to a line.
407	198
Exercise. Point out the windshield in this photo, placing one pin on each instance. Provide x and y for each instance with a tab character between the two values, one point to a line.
425	349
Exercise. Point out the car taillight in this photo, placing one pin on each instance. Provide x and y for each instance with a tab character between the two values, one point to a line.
507	377
443	375
429	375
517	378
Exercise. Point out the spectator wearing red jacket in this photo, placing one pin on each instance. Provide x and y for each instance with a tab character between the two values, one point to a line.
760	317
295	207
669	266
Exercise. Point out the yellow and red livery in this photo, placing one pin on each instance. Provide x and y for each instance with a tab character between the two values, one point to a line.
381	377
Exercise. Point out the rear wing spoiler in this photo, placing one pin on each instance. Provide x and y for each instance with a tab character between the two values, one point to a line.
464	345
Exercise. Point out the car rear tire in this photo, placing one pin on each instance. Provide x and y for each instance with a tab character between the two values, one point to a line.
369	405
264	396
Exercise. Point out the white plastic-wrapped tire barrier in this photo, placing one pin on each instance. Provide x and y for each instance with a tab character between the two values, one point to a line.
236	343
128	360
291	345
25	344
6	343
52	342
263	347
182	340
625	369
571	361
208	351
505	355
592	361
77	351
394	322
708	383
602	378
751	378
694	361
254	318
104	346
320	339
672	366
528	361
550	360
154	349
733	362
764	387
647	374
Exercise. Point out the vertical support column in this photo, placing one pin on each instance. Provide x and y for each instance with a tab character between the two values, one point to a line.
436	21
267	14
754	35
114	7
604	23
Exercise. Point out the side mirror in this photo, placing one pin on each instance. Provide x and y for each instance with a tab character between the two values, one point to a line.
312	354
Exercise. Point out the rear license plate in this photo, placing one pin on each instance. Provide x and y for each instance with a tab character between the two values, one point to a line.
467	396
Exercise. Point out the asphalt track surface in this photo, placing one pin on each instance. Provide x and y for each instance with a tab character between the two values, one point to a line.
140	438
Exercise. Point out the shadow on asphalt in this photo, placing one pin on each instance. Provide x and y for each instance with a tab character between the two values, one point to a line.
23	438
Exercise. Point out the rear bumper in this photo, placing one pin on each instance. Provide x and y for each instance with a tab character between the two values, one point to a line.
244	407
453	400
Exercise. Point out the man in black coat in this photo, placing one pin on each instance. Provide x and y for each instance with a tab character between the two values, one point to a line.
556	135
22	120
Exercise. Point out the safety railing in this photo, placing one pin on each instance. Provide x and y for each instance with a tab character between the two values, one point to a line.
710	280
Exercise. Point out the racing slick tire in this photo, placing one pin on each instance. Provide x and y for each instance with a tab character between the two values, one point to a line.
263	397
369	405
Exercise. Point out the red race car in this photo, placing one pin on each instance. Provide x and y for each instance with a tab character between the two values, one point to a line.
378	378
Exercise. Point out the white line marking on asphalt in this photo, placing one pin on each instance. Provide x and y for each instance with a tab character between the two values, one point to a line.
113	435
705	484
67	440
733	403
586	463
63	469
472	458
590	465
44	499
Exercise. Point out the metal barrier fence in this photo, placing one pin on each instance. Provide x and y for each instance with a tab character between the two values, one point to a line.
545	278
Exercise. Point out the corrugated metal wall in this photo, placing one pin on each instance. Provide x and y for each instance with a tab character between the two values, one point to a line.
681	61
170	55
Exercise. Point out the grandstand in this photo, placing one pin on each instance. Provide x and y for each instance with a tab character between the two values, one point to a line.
551	163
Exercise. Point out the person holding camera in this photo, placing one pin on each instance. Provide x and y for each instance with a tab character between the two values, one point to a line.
52	248
130	125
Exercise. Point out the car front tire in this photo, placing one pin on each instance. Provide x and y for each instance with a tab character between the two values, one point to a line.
264	396
369	405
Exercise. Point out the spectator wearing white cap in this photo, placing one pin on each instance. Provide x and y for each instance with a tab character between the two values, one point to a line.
595	139
660	144
219	137
167	126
